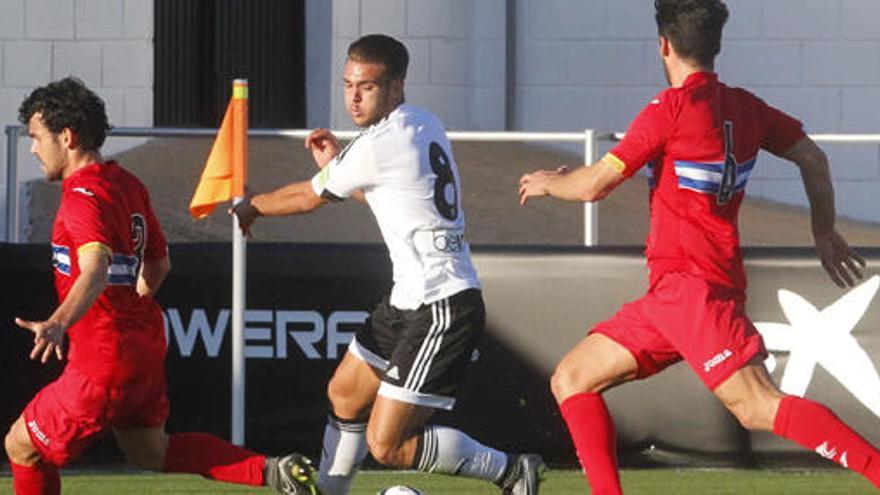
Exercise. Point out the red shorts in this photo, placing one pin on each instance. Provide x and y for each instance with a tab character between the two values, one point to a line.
684	317
67	415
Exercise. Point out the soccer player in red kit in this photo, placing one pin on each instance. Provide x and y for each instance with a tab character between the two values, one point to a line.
700	139
109	258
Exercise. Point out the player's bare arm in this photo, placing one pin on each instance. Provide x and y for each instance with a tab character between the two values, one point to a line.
49	334
841	262
292	199
152	275
324	146
582	184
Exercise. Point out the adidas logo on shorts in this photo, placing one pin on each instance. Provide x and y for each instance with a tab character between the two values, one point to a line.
393	373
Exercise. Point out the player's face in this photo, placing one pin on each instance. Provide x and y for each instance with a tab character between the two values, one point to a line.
369	96
48	148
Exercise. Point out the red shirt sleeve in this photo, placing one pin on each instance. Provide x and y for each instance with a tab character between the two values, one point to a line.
781	131
85	218
645	138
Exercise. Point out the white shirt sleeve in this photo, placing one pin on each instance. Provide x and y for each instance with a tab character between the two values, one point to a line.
354	168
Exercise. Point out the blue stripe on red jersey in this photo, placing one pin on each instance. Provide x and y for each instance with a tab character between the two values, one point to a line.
706	177
61	259
122	270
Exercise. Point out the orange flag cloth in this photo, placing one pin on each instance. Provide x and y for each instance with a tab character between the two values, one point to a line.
225	171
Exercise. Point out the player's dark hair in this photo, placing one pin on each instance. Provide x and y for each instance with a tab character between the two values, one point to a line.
68	103
692	26
381	49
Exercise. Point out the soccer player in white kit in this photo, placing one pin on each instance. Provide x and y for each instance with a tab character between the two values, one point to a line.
411	356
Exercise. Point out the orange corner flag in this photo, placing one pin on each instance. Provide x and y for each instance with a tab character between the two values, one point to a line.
225	171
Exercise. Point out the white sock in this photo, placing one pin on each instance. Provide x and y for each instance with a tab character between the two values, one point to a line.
449	451
344	449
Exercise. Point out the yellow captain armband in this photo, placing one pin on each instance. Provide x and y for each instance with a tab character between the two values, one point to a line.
91	246
324	176
614	162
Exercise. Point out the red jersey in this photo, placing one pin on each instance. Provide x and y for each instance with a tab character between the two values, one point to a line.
701	140
122	335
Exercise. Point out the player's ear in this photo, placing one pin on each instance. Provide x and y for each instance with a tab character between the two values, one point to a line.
397	89
664	46
69	138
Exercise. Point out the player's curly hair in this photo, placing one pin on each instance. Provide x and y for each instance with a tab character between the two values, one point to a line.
381	49
68	103
692	26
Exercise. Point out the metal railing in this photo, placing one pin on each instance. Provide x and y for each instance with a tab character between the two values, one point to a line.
590	139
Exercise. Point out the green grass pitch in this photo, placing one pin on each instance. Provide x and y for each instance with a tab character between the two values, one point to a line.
557	482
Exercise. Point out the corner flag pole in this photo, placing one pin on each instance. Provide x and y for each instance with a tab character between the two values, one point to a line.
239	258
223	179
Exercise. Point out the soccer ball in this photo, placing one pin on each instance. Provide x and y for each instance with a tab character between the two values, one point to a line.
399	490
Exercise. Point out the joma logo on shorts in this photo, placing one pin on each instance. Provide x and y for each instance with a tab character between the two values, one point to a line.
38	433
716	360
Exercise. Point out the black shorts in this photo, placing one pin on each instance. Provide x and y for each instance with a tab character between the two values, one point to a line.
423	353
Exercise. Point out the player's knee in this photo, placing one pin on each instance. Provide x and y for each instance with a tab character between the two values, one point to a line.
568	380
558	385
18	447
335	391
385	452
382	453
9	445
345	402
340	400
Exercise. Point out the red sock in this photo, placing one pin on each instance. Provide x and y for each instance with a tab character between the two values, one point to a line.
211	457
39	479
815	427
592	431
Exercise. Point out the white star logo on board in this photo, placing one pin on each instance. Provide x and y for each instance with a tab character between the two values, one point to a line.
825	338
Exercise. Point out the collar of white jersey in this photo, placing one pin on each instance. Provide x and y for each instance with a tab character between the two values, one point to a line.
401	109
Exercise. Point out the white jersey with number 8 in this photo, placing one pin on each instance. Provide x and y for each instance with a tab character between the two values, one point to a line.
405	168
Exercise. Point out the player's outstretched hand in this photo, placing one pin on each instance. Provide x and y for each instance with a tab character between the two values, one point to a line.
535	183
841	262
48	339
324	146
247	214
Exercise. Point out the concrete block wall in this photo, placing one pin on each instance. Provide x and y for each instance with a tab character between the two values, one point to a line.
106	43
584	64
579	64
594	64
457	55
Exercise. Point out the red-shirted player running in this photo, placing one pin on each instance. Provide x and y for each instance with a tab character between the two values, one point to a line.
109	257
700	138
